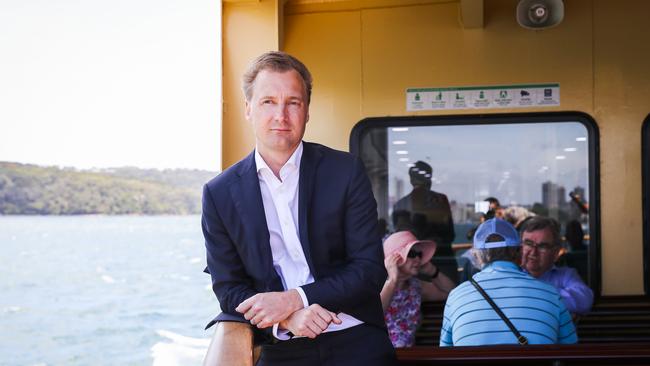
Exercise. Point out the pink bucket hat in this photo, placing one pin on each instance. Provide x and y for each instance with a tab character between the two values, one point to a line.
402	241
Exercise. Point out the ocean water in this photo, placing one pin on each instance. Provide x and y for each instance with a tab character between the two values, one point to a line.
103	290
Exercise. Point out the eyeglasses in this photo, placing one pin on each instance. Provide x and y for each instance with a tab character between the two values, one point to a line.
414	253
542	247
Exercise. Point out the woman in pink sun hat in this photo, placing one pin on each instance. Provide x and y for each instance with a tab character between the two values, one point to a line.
403	292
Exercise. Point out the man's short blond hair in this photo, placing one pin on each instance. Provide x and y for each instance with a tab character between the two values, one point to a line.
279	62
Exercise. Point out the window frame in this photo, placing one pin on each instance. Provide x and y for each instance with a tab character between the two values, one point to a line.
593	140
645	197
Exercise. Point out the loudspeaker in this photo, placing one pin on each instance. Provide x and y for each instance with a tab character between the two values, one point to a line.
540	14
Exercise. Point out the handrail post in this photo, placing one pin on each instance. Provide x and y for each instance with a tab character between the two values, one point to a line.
231	345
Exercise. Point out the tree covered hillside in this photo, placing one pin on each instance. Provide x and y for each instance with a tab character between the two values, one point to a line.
35	190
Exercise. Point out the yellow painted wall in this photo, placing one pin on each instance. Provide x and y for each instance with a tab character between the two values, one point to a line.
364	59
622	101
334	59
250	28
363	55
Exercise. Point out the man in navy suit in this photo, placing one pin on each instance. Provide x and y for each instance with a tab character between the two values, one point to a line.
291	234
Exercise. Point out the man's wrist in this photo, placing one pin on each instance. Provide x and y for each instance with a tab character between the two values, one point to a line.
295	300
282	325
281	333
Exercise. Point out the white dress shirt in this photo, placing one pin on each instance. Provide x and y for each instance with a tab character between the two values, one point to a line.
280	199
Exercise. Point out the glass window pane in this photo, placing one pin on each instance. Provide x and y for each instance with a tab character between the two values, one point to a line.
531	168
645	146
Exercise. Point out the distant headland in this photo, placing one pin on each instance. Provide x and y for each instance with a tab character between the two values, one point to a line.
27	189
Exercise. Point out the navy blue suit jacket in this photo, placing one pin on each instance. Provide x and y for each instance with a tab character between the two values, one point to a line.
337	229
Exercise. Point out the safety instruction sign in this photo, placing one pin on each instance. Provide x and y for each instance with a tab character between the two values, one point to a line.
475	97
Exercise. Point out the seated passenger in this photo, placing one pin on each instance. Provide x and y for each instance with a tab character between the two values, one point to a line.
403	292
541	248
535	308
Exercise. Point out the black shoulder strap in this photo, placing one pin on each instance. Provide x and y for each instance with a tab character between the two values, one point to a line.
520	338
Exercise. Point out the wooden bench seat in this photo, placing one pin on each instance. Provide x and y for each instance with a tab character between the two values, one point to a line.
616	331
612	319
579	354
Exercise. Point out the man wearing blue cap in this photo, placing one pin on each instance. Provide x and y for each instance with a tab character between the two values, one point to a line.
531	311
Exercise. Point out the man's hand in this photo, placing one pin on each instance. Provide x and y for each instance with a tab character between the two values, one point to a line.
310	321
268	308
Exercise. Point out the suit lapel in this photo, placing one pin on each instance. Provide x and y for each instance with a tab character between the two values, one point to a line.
308	164
248	200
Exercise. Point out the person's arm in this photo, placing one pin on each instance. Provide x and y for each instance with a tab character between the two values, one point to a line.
446	339
567	333
268	308
438	287
363	274
310	321
230	282
577	296
391	284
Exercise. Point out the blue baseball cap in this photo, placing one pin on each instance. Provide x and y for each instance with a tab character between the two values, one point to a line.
499	227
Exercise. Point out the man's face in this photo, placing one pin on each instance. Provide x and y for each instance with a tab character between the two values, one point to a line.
278	110
539	252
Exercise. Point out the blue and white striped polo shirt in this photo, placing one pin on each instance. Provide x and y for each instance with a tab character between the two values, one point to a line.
534	307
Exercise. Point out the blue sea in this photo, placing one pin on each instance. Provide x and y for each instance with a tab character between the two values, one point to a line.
103	290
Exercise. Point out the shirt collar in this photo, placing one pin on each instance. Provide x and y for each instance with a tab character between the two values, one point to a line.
503	265
294	160
552	269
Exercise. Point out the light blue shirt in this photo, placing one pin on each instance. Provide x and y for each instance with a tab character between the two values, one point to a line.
534	307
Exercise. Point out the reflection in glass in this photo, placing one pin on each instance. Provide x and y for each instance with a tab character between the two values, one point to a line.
432	172
423	211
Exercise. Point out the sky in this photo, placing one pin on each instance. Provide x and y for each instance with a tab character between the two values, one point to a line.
98	83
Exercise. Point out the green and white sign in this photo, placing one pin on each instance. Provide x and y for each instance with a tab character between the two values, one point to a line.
475	97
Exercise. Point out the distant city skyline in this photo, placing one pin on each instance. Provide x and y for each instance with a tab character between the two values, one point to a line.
98	84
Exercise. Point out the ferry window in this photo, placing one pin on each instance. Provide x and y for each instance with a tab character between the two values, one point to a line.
437	176
645	140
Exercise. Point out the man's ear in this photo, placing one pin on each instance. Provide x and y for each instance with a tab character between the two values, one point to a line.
478	258
247	110
559	253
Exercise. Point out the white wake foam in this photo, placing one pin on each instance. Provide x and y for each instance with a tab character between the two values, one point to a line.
178	350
